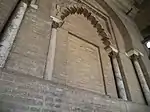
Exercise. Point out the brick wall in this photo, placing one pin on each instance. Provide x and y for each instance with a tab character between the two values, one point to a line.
76	57
20	93
29	52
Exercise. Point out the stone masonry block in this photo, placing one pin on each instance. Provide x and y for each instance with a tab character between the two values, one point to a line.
58	98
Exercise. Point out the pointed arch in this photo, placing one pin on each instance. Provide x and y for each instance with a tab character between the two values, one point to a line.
94	22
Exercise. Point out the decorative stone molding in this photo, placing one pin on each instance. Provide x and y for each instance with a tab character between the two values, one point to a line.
55	25
109	49
64	8
56	22
87	14
10	32
134	52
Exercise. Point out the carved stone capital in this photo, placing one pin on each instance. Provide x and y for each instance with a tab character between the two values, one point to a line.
111	51
56	22
134	57
133	53
55	25
113	54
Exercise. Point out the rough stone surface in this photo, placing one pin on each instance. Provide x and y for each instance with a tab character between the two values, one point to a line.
31	46
20	93
11	31
22	87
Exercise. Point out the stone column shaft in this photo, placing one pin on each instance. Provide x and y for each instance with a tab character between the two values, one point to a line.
119	80
11	31
142	80
51	53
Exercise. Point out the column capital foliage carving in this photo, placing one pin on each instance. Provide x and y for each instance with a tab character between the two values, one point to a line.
55	24
112	52
133	53
135	57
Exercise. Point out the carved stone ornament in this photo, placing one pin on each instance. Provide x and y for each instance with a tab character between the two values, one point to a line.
134	52
64	8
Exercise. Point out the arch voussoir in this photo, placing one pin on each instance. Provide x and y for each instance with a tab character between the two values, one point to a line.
73	10
94	22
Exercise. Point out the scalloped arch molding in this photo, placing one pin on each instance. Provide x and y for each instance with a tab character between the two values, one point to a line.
87	14
77	4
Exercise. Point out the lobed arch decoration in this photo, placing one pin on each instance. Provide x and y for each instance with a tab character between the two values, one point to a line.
119	23
82	10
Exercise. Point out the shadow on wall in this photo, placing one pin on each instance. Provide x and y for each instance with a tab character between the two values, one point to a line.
126	37
142	18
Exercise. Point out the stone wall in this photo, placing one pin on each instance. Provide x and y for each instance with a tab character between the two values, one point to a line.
80	59
132	35
29	52
21	93
22	87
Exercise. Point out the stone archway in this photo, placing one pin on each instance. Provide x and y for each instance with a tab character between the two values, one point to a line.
77	8
120	25
64	5
82	55
94	22
65	8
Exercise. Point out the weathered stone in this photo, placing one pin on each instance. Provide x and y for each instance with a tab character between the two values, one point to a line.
74	99
7	77
82	76
9	33
6	8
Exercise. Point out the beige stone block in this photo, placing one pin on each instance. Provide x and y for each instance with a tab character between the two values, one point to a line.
32	39
26	65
